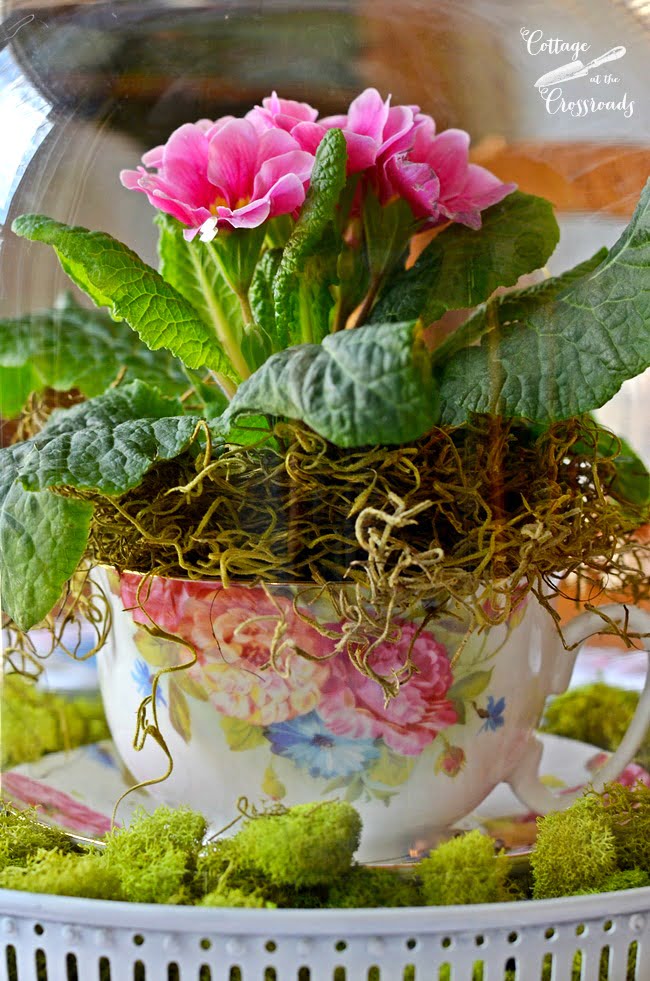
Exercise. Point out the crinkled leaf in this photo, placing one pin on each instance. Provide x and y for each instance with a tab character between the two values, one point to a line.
71	347
462	267
306	264
363	386
107	443
510	307
42	539
261	291
193	268
114	276
570	354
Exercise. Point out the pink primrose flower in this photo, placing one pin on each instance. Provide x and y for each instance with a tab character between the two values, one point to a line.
439	182
372	130
353	704
224	174
276	113
232	631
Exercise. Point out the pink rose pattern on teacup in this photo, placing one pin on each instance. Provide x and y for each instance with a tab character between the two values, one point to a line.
231	631
317	711
353	704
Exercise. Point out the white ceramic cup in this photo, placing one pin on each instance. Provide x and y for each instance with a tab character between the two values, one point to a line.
314	727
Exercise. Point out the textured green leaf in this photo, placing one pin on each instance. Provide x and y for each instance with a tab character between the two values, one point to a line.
309	258
107	443
570	354
363	386
42	539
509	307
261	291
72	347
113	276
193	268
462	267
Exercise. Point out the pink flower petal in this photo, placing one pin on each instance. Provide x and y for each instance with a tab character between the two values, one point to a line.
399	131
184	163
362	151
308	135
273	143
290	108
231	159
367	115
417	183
296	163
448	155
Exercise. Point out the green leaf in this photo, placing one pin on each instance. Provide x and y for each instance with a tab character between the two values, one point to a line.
241	735
570	354
42	539
359	387
113	276
108	443
71	347
471	686
508	307
261	291
195	270
302	282
391	769
462	267
179	711
16	385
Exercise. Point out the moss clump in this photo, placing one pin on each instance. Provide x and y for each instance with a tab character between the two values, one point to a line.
464	870
35	722
308	845
65	874
363	887
575	850
628	879
156	856
21	836
596	714
473	514
627	812
236	898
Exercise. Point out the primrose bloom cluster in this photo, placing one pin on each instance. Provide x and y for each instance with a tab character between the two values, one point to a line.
239	172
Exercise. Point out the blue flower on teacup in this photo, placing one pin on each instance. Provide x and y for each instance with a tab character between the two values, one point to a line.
493	714
143	678
312	746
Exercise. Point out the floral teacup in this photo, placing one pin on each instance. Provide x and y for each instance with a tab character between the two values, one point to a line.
311	726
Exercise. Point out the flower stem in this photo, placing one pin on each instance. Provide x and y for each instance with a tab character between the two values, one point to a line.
247	313
222	328
369	300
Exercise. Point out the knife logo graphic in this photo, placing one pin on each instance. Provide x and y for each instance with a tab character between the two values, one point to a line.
576	69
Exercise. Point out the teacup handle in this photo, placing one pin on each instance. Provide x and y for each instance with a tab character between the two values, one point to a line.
525	781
